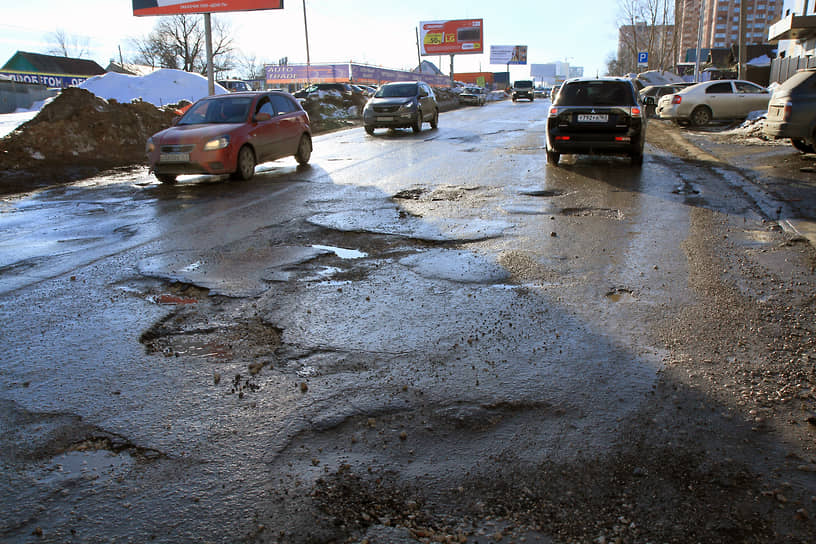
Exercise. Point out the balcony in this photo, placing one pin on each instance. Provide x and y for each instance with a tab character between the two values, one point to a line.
793	27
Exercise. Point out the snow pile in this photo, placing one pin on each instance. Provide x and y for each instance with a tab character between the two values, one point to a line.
159	88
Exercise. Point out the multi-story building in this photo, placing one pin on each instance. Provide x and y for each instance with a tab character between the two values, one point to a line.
721	21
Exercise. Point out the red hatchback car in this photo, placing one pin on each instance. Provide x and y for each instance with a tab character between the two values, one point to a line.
230	134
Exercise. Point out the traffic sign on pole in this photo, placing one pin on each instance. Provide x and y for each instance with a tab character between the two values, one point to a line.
643	57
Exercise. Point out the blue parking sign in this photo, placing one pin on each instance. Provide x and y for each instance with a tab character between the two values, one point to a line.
643	57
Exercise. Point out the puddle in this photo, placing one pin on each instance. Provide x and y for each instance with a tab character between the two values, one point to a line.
686	189
98	465
455	265
593	212
343	253
620	295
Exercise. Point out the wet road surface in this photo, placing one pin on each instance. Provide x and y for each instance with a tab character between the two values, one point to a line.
401	327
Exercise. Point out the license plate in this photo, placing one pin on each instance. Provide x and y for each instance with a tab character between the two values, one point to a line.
593	118
386	118
174	157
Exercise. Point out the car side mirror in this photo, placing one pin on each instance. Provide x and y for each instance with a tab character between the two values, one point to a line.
263	116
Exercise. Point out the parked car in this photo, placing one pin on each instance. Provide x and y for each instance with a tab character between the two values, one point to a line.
650	95
523	89
350	94
401	104
230	134
234	85
792	111
719	99
596	116
473	95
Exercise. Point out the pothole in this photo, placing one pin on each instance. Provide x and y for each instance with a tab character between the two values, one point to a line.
620	294
606	213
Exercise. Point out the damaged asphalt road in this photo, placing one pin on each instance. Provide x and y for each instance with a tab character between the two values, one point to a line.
424	337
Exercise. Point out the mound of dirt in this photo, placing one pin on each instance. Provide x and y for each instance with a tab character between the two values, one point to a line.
78	134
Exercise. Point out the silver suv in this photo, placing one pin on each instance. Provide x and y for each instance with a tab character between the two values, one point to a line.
401	104
523	89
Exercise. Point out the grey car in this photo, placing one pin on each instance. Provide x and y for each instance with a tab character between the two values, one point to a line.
719	99
401	104
792	111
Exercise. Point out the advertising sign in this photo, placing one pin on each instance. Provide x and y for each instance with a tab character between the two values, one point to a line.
508	54
49	80
182	7
451	37
344	73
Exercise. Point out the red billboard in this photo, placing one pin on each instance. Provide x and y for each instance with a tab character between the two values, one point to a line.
183	7
451	37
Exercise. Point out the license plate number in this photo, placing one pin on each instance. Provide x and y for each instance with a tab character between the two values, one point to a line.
174	157
386	118
593	118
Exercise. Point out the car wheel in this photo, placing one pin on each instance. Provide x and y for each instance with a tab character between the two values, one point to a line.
700	116
636	159
417	126
304	150
246	164
435	120
169	179
369	129
553	157
802	145
514	99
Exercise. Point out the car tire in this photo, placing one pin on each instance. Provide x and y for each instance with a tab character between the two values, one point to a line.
636	159
553	157
435	120
304	150
417	126
369	129
245	164
514	99
701	116
169	179
802	145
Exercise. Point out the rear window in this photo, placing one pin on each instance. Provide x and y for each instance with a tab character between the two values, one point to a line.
806	78
596	93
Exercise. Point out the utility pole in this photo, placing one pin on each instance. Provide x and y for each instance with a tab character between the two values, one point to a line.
743	47
699	43
208	39
306	30
419	56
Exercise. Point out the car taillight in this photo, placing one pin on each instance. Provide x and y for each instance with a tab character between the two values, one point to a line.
553	112
635	112
788	111
676	99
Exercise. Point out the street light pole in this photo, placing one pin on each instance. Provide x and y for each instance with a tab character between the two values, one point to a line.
306	30
699	43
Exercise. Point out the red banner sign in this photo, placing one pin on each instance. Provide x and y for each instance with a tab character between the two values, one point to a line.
183	7
451	37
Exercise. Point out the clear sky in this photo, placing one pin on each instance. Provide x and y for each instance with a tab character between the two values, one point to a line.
379	32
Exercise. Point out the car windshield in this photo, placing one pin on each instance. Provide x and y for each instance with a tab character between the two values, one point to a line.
402	90
217	110
595	93
524	84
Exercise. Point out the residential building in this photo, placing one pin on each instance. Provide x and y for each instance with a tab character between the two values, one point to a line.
721	22
795	32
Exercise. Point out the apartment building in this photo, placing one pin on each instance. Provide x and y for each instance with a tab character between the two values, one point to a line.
721	20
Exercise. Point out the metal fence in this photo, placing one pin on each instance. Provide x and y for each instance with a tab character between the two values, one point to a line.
782	69
15	95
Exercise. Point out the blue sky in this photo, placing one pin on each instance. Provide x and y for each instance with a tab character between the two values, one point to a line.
379	32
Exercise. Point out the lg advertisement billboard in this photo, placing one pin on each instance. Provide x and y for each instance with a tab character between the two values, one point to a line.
451	37
182	7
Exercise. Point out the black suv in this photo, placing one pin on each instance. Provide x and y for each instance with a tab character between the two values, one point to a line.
401	104
523	89
596	116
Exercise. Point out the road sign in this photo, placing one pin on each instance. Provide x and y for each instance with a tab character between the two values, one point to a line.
643	57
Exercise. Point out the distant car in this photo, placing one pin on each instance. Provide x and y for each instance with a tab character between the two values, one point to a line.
650	95
234	85
401	104
596	116
351	95
792	111
523	89
473	95
719	99
230	134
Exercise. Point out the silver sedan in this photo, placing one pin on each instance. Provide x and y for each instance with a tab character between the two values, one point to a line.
720	99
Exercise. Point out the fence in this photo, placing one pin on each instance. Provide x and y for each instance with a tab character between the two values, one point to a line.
782	69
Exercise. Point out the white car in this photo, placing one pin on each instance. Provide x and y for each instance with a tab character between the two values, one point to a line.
719	99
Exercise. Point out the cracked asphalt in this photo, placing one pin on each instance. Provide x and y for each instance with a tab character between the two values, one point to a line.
427	337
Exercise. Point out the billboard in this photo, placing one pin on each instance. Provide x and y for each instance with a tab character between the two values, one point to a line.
344	73
451	37
182	7
508	54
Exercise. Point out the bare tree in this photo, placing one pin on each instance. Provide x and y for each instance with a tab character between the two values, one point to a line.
646	25
68	46
250	68
178	42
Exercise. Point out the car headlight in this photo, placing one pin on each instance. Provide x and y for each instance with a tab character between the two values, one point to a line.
408	106
218	143
150	146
